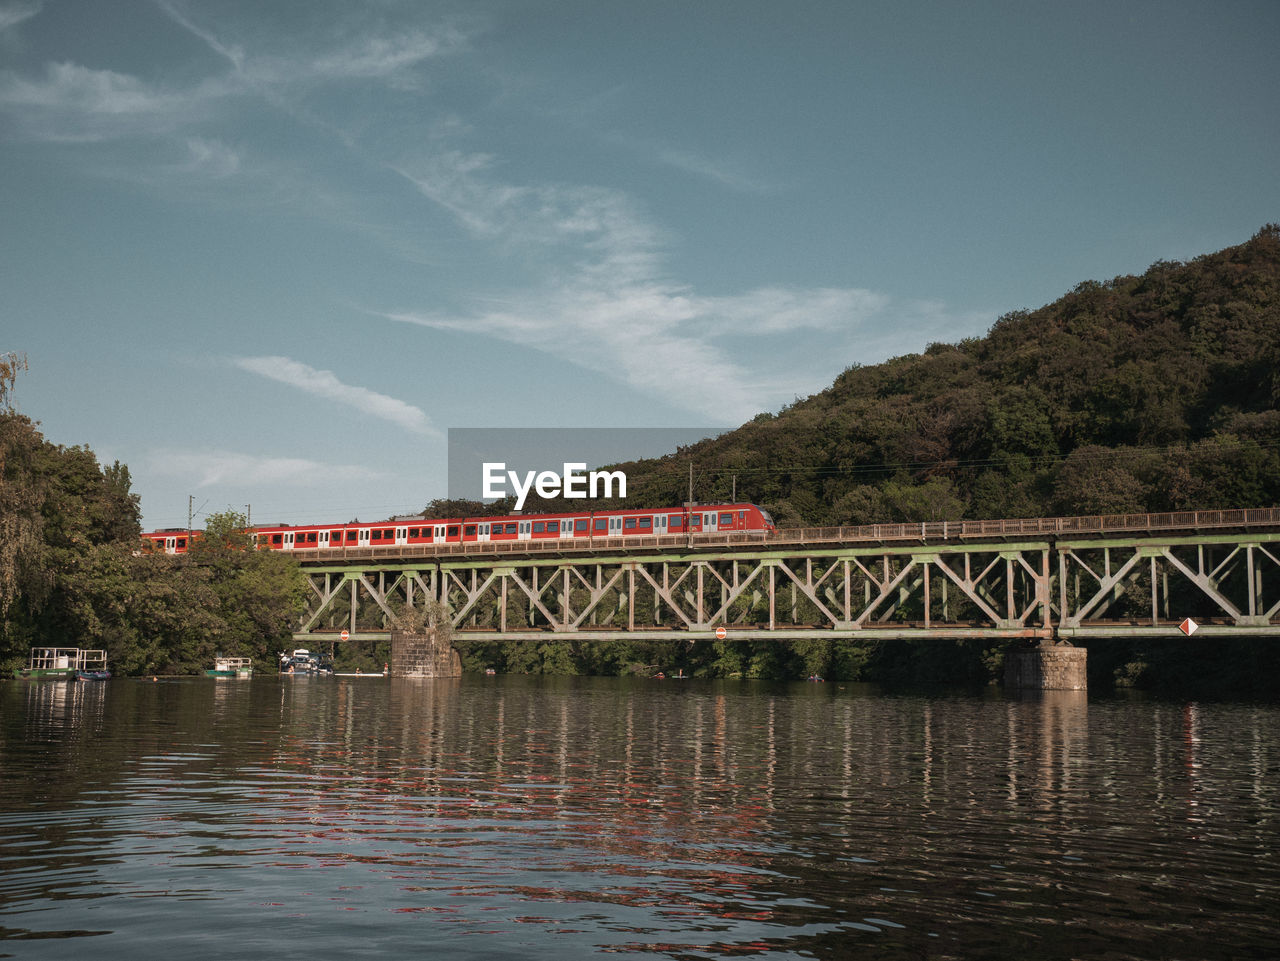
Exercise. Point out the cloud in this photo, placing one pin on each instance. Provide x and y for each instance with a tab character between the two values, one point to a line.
75	103
323	383
211	158
725	173
12	14
609	306
210	467
381	54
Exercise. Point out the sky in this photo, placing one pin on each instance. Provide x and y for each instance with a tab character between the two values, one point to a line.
267	254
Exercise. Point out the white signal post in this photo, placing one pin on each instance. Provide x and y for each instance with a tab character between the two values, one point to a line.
1188	627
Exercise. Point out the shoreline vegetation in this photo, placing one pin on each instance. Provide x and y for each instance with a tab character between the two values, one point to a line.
1141	394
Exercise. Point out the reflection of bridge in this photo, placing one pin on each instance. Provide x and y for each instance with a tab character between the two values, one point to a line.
1042	578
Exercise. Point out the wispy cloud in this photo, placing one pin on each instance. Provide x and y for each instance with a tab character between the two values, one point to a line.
324	383
12	14
211	158
70	102
723	172
614	310
205	468
75	103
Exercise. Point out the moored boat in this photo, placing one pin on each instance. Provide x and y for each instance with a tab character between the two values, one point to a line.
231	667
65	664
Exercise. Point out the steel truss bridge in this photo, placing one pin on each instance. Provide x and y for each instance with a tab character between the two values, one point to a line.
1041	579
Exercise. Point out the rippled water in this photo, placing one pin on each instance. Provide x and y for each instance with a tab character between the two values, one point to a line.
560	818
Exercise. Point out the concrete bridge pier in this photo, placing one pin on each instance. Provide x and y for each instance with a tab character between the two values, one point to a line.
1049	667
429	654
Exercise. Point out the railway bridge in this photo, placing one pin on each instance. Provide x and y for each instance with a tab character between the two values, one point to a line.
1048	581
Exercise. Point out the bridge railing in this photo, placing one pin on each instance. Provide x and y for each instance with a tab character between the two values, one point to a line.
925	532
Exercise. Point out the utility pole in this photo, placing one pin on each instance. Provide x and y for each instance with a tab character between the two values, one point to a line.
248	515
190	502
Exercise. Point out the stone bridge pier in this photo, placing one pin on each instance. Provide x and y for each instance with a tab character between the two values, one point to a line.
429	654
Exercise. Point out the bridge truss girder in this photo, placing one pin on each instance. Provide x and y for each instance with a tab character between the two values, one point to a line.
959	591
1226	584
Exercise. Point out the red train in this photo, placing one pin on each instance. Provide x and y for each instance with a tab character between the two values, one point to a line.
699	519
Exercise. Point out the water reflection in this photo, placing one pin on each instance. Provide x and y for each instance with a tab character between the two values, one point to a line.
324	817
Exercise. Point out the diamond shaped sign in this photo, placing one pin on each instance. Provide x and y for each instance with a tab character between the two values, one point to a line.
1188	627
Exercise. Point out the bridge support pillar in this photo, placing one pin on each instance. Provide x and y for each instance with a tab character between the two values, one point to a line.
423	655
1059	668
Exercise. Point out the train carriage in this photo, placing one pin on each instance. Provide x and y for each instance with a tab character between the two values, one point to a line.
404	531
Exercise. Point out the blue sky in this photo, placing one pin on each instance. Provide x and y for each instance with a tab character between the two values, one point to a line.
268	253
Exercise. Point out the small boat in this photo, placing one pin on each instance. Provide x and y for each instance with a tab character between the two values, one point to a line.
64	664
231	667
93	675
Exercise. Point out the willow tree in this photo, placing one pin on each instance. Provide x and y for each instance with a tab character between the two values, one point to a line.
22	497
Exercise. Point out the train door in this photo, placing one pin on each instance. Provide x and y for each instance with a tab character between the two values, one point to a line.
525	531
483	534
171	545
363	537
566	527
615	526
660	524
288	540
709	523
439	534
402	536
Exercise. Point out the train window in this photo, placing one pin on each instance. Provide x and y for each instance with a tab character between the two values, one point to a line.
676	521
580	524
453	530
335	537
742	517
511	528
352	536
726	518
602	523
311	537
630	523
539	527
413	532
471	530
277	538
646	523
182	542
377	535
708	519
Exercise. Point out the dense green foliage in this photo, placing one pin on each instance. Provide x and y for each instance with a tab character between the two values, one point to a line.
72	575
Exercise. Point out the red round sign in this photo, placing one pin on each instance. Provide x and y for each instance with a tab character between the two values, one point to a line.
721	633
345	635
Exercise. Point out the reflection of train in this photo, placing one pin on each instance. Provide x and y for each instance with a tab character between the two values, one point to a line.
639	522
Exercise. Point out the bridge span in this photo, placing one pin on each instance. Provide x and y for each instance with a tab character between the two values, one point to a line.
1040	579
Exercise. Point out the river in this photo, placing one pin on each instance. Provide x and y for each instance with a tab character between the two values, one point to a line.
560	818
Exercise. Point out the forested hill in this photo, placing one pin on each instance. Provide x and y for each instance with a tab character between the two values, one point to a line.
1149	393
